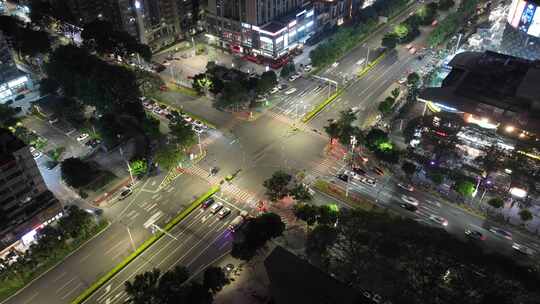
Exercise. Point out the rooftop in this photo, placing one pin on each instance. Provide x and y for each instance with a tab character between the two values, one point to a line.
494	85
294	280
8	145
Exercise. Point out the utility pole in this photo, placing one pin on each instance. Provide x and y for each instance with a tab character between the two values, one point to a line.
353	144
128	166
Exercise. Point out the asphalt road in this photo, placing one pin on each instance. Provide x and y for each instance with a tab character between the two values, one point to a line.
198	240
388	194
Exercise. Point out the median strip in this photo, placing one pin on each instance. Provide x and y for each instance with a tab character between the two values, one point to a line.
108	276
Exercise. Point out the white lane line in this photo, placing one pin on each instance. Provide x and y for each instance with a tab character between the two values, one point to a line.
205	248
177	247
65	284
85	257
31	299
74	289
60	276
113	248
151	207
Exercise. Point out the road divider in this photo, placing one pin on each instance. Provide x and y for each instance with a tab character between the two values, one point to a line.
371	65
108	276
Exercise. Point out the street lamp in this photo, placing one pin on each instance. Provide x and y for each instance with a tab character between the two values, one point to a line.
128	166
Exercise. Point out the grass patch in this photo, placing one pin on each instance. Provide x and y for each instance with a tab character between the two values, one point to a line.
336	192
309	116
102	179
183	90
104	279
10	287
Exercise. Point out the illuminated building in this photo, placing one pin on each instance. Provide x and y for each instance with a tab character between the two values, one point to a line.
12	81
265	28
493	91
25	202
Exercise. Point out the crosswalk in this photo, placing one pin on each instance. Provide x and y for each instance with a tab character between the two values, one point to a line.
296	125
227	187
326	166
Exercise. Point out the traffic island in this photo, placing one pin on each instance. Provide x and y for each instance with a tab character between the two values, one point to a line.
149	242
337	192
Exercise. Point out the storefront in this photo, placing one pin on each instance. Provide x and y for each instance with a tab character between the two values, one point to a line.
9	90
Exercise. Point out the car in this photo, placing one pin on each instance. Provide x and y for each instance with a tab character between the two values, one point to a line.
403	80
412	51
308	68
359	171
378	171
335	64
158	110
475	235
199	124
216	207
53	119
290	91
438	219
207	203
35	153
282	86
523	249
187	119
166	63
410	200
19	97
407	187
274	90
82	137
197	130
223	213
368	181
408	207
343	177
93	142
500	232
293	77
125	193
238	221
148	105
170	116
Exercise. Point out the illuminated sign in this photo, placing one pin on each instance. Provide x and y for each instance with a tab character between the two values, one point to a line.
518	192
527	17
310	13
303	12
482	122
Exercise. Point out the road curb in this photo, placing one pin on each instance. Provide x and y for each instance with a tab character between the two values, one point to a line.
58	263
149	242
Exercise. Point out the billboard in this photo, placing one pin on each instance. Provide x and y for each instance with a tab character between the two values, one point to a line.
523	16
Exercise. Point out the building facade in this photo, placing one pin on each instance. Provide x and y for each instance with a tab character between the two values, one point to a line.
266	28
153	22
26	204
12	81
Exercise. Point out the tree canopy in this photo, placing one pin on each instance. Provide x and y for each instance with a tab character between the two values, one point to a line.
277	185
255	233
76	172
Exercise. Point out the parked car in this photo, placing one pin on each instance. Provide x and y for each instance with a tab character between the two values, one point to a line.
408	207
407	187
523	249
53	119
238	221
197	130
82	137
410	200
35	153
308	68
501	232
343	177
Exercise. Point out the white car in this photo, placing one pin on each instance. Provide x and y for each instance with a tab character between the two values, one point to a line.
410	200
188	119
438	219
199	124
523	249
293	77
335	64
82	136
369	181
290	91
223	213
308	68
216	207
407	187
35	153
197	130
274	90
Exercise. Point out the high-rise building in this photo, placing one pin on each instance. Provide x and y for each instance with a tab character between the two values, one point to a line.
12	81
267	28
153	22
26	204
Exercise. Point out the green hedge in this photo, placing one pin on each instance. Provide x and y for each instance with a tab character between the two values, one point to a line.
104	279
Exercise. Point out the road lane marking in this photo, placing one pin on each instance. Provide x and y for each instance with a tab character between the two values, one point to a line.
79	285
31	299
85	257
113	247
60	276
65	284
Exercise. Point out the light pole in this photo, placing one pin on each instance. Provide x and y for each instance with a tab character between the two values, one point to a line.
366	63
200	147
128	166
353	144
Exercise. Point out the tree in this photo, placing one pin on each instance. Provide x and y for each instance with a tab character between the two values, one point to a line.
276	186
214	278
496	202
307	213
413	79
266	81
168	156
320	239
465	188
144	288
76	172
445	5
402	31
170	287
395	93
300	193
181	134
287	70
234	93
48	86
409	168
333	130
328	214
32	43
525	215
138	167
202	83
76	223
68	109
389	40
8	116
386	106
256	232
375	138
492	160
